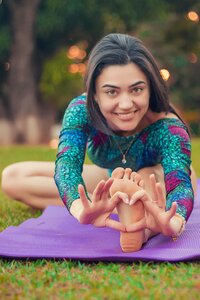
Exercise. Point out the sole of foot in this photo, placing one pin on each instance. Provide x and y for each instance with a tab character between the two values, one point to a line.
129	241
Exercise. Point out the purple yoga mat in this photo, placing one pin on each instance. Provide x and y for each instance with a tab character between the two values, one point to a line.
55	234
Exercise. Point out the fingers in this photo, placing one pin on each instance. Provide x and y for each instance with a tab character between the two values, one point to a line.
115	225
105	190
170	213
83	196
139	195
160	196
102	190
98	191
119	196
152	180
136	226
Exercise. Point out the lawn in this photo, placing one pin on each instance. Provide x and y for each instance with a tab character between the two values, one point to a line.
49	279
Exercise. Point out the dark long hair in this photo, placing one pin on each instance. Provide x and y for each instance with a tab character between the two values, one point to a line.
121	49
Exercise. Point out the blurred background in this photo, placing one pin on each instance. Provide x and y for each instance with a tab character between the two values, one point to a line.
44	46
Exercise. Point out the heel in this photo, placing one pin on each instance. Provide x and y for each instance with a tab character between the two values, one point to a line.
131	241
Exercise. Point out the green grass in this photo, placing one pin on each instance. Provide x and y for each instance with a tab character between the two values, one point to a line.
49	279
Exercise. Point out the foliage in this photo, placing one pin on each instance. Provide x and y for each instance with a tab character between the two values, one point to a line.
57	84
174	44
162	25
68	21
177	49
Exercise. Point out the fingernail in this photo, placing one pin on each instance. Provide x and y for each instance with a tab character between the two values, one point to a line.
126	200
131	202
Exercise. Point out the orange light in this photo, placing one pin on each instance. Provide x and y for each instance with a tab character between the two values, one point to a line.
73	68
82	54
82	68
193	16
165	74
193	58
53	143
73	52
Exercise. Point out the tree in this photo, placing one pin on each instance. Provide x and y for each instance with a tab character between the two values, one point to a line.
23	94
36	31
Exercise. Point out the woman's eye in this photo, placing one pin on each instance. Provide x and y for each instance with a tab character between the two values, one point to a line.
111	92
137	90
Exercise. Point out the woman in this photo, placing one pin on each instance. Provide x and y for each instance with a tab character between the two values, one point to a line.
125	120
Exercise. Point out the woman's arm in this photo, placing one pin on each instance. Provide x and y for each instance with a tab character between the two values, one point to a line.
176	160
71	151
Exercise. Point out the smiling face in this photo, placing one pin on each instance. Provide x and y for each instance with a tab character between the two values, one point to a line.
122	93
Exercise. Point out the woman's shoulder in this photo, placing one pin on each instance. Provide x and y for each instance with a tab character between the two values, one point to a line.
76	111
77	101
162	120
168	130
164	126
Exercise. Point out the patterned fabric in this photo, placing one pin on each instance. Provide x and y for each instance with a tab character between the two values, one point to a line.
164	142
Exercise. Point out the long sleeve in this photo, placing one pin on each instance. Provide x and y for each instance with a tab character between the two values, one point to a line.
71	151
175	158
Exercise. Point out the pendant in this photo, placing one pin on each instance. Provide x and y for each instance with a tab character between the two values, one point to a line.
124	160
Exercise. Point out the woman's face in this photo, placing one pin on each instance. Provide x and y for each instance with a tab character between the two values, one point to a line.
122	93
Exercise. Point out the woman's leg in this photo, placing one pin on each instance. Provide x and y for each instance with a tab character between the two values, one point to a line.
33	184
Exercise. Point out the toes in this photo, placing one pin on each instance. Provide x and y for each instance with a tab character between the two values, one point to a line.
127	173
136	178
118	173
133	176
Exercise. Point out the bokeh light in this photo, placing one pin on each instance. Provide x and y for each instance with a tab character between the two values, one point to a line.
77	68
74	52
193	16
73	68
53	143
165	74
193	58
82	68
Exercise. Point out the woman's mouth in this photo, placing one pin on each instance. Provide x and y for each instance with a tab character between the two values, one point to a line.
125	116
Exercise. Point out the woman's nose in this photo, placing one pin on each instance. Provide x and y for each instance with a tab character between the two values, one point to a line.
126	102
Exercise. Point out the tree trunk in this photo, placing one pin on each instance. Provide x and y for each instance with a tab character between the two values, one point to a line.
24	101
6	132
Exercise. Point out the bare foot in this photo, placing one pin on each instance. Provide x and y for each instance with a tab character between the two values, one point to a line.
129	241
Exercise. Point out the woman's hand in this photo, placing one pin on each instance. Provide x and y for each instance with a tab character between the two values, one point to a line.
98	211
156	219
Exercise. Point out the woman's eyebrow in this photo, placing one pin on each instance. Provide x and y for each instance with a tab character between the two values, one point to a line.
116	87
136	83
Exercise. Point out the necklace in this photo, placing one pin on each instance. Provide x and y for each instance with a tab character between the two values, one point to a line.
124	153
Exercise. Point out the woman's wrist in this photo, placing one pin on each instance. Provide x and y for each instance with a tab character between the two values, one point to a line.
76	208
178	226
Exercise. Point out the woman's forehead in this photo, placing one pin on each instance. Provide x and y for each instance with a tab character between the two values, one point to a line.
121	74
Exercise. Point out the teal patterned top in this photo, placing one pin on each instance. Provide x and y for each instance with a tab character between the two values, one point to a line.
164	142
